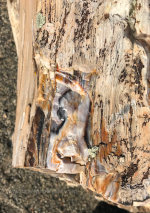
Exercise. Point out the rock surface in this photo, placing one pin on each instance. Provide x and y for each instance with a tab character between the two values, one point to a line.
23	190
96	52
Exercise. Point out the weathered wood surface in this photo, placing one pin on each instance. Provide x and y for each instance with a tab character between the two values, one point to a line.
83	108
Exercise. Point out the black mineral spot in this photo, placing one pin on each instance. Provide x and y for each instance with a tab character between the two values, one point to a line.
122	76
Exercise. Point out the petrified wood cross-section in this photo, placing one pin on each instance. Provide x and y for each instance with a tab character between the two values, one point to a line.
83	109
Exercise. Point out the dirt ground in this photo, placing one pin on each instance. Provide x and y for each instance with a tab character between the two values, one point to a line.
23	190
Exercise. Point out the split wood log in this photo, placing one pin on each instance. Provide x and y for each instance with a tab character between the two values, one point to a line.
83	106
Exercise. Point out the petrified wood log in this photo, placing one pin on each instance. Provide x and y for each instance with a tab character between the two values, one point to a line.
83	108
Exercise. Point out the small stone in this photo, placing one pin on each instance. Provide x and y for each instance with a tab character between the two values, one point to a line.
4	116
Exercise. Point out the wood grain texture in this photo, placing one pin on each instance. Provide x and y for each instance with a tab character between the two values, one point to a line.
96	53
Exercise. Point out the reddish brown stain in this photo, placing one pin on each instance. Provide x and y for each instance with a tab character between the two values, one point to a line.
104	133
109	148
106	182
43	94
119	151
101	154
116	186
101	185
62	79
106	147
96	137
105	152
89	176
